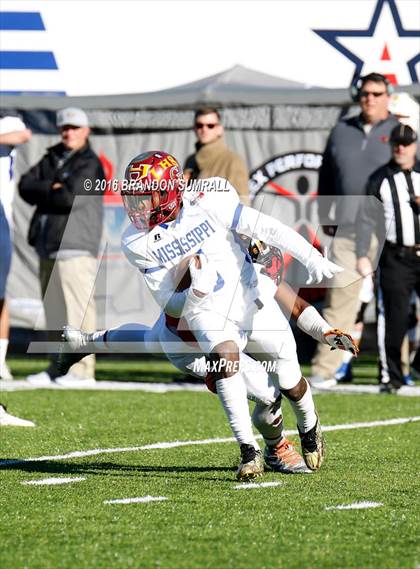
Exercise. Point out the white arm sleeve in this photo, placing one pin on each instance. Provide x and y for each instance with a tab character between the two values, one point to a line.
312	323
258	225
161	286
158	279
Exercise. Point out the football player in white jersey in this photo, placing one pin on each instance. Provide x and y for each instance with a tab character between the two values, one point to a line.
222	307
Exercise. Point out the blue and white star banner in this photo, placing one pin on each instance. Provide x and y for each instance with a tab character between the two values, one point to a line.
384	46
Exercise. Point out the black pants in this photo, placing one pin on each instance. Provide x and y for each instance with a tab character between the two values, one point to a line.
399	276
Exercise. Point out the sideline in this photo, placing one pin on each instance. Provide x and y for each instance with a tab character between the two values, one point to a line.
346	389
23	385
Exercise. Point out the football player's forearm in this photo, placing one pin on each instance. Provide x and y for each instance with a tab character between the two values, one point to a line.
290	302
311	322
308	319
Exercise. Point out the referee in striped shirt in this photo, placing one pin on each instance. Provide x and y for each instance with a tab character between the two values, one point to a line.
396	221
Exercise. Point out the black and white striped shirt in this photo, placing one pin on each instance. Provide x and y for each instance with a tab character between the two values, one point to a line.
396	219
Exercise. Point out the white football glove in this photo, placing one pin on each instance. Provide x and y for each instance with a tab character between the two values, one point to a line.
204	278
319	267
338	339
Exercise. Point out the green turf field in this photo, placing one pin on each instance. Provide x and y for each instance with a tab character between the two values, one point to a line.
205	522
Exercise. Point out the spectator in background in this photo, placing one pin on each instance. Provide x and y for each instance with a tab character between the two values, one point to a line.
13	132
66	233
213	157
356	147
397	186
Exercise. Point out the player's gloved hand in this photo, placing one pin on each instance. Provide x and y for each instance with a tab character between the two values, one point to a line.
338	339
320	266
203	275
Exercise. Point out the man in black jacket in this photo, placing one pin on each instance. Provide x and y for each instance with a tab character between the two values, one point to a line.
394	216
66	231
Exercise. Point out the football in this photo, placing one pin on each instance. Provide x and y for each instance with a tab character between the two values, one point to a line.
182	274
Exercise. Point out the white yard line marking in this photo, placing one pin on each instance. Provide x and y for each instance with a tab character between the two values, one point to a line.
367	424
96	451
256	485
52	481
356	506
142	500
175	444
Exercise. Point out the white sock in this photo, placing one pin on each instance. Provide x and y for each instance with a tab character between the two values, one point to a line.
305	411
233	396
4	343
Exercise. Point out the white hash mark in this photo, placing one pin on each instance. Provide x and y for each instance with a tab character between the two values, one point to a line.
142	499
356	506
256	485
52	481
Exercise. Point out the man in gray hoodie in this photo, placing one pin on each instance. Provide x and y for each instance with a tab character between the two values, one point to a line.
356	147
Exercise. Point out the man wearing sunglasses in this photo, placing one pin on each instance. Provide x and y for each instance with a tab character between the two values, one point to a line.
397	187
356	147
213	157
66	231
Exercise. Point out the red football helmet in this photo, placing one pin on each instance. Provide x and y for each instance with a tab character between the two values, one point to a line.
152	189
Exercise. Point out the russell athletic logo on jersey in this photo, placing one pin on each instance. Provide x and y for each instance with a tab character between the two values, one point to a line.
181	246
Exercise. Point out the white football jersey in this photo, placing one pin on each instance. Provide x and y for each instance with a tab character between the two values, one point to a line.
210	222
206	224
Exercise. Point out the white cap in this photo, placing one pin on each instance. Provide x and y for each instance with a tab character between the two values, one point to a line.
72	116
406	108
9	124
